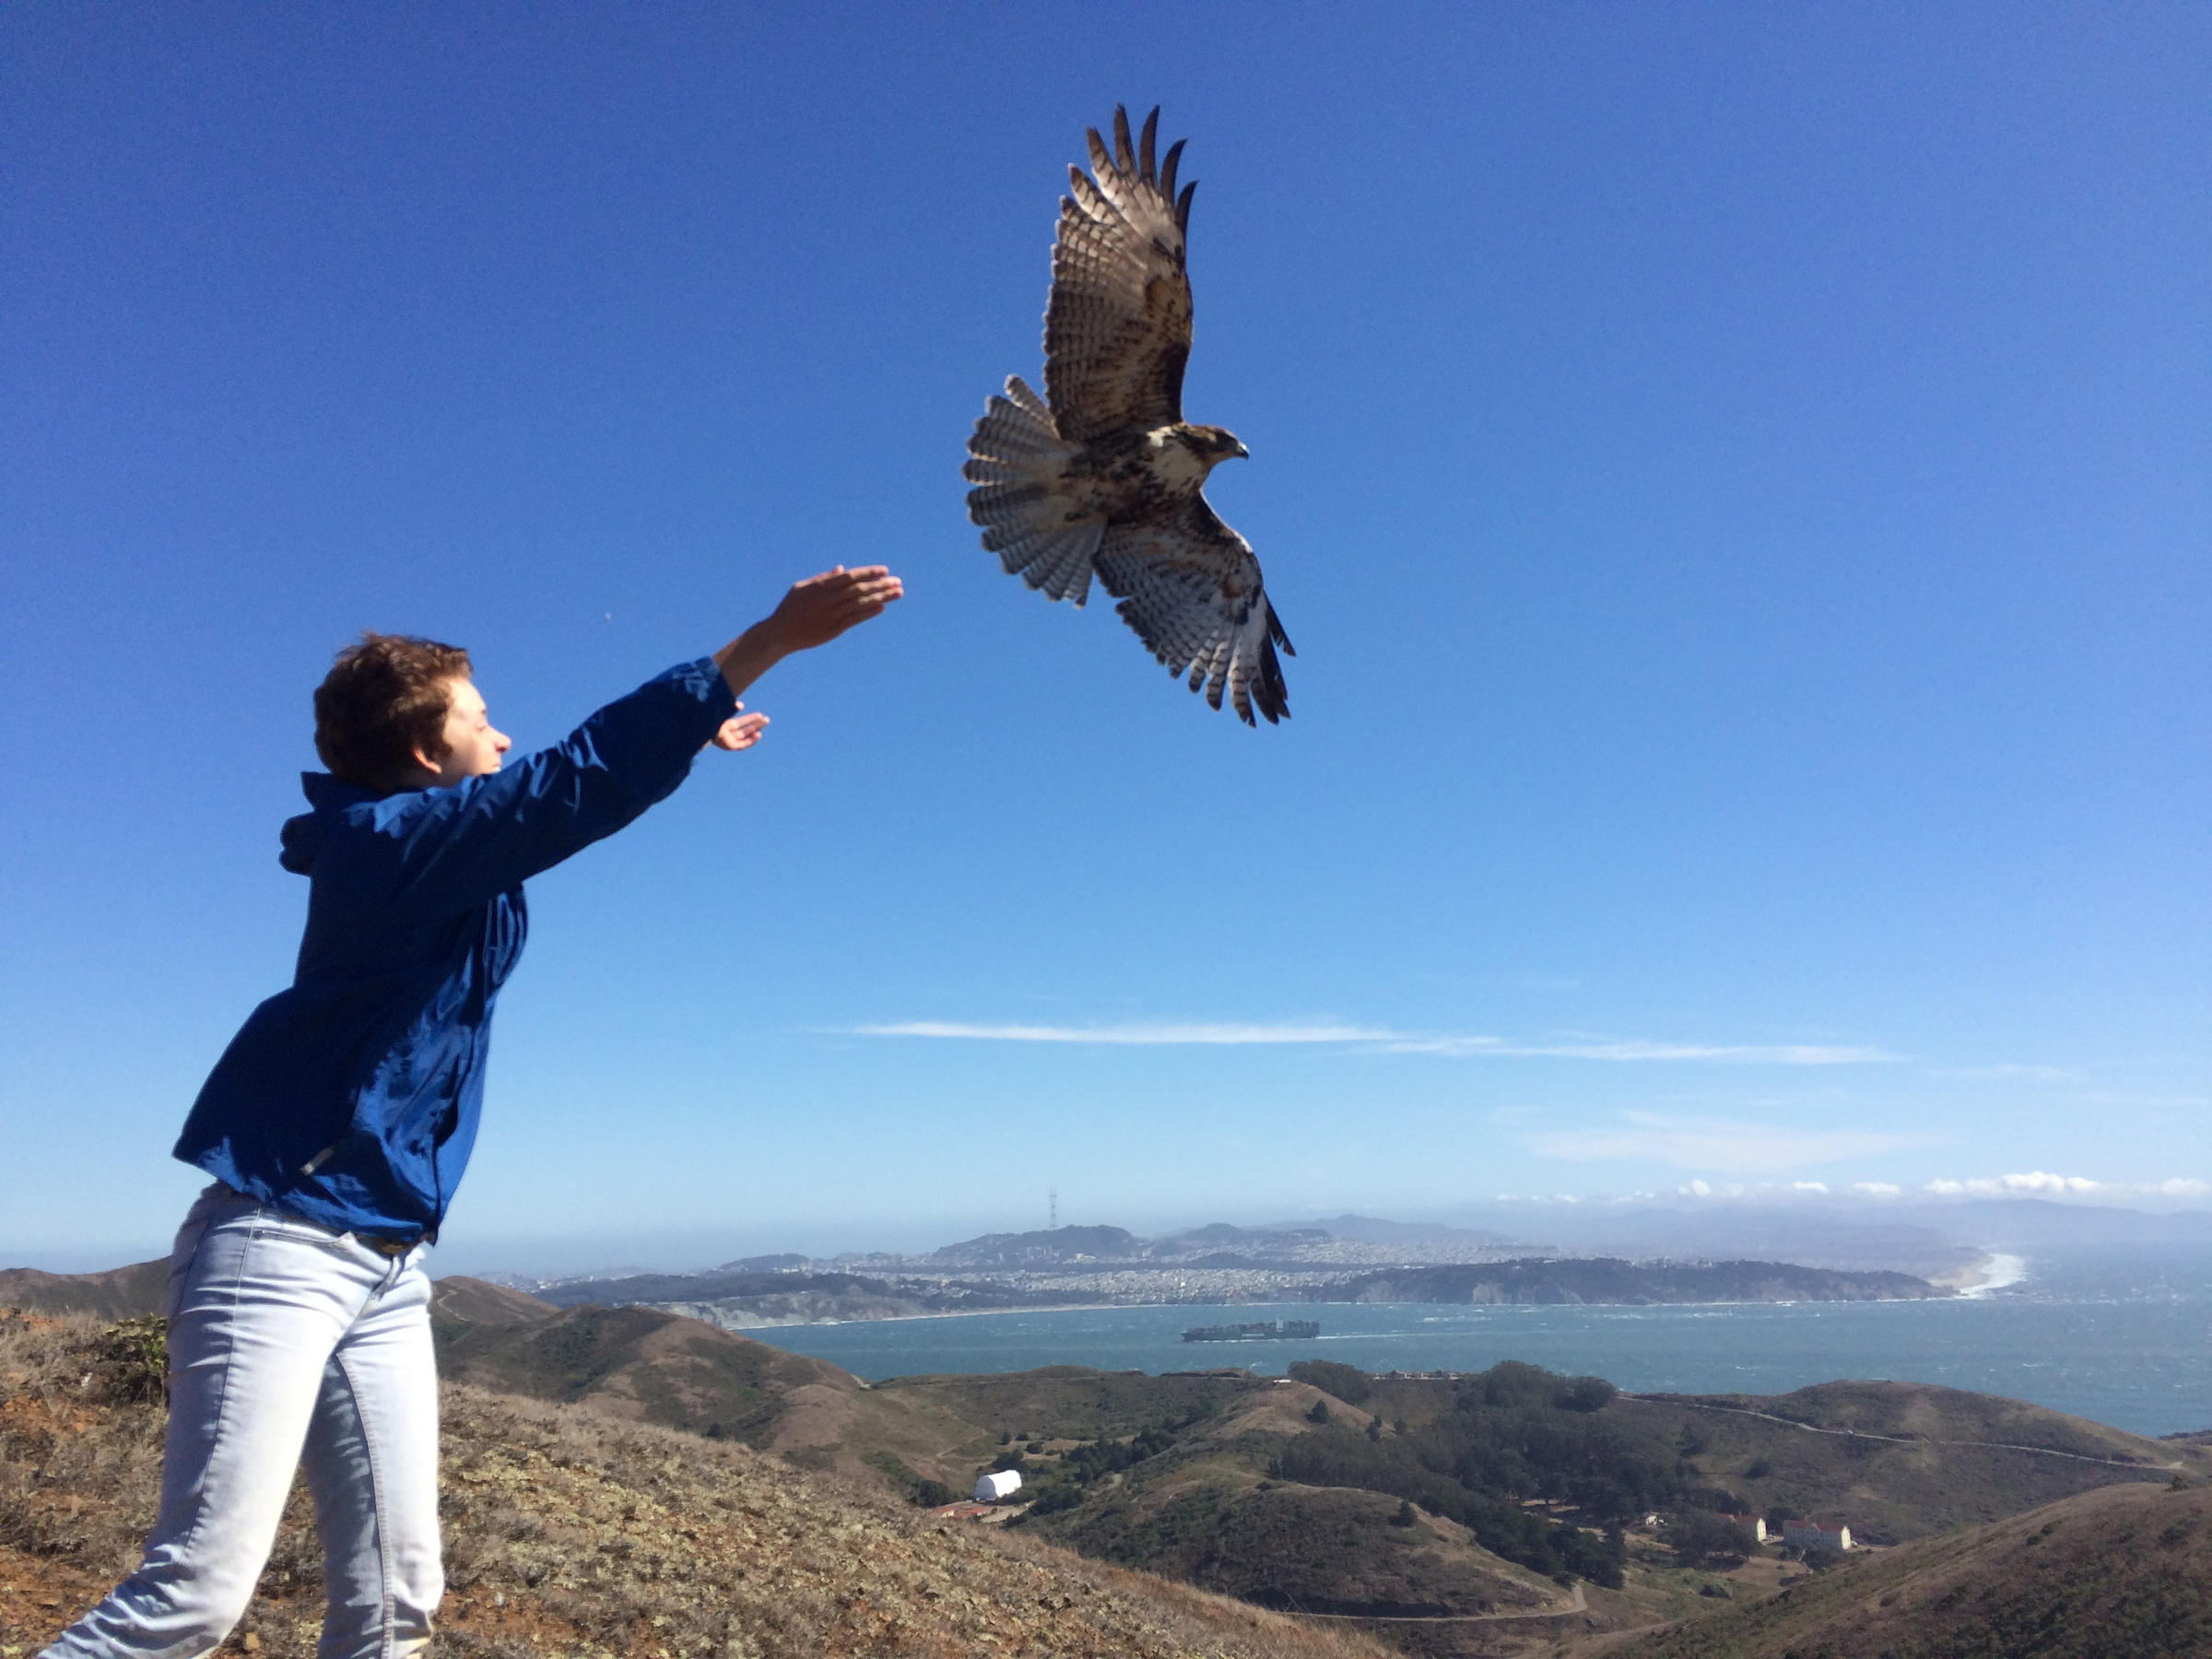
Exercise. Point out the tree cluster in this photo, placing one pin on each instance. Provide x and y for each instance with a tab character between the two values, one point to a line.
1515	1432
1063	1486
1701	1537
1348	1383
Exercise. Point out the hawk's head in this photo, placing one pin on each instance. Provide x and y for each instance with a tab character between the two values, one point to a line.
1212	445
1180	456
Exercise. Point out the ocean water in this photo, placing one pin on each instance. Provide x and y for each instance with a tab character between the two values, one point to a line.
2124	1339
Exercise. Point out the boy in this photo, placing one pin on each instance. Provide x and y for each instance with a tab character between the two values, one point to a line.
339	1120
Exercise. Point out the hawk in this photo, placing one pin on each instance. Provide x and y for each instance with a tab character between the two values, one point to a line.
1103	473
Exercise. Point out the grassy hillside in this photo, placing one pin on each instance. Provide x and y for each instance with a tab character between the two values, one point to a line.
459	1302
120	1293
571	1532
2124	1572
651	1366
1483	1495
1314	1550
1901	1460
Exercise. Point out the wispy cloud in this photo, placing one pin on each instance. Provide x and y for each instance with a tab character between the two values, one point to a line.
2175	1191
1388	1041
1722	1146
2015	1072
2032	1183
1742	1054
1143	1036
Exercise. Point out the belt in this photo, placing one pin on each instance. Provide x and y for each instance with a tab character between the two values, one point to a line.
391	1248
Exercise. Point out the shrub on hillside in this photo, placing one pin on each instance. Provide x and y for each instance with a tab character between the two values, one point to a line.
1348	1383
919	1489
1401	1468
1700	1537
1061	1484
1512	1386
1585	1393
133	1361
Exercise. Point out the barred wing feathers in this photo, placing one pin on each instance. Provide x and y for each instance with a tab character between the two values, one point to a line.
1191	588
1117	331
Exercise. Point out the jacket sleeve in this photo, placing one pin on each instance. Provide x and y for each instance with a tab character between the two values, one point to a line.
462	845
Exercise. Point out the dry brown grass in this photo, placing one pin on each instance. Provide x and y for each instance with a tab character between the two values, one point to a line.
569	1533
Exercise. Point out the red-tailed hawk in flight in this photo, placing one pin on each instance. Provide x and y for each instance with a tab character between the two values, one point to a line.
1103	473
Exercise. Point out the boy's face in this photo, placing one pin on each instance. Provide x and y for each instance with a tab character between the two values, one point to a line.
473	745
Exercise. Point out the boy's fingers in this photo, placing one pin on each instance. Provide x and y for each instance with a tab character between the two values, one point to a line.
843	579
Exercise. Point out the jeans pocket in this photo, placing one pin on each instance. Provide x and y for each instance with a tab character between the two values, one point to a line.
180	1261
278	1226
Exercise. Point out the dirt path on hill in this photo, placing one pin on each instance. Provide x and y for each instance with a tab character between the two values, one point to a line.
1912	1440
1581	1603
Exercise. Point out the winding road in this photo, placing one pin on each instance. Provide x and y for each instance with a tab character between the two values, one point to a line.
1581	1603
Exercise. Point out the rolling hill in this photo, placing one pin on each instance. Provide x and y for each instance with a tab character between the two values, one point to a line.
119	1293
2122	1572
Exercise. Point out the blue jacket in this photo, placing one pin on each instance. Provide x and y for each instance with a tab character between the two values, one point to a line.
352	1097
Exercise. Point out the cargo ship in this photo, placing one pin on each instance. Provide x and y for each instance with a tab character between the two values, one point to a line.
1271	1330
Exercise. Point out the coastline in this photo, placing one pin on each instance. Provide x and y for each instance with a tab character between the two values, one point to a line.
1990	1271
706	1314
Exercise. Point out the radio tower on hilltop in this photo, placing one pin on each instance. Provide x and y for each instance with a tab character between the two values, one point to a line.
1052	1210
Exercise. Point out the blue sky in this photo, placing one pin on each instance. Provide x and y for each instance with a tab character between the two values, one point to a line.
1738	480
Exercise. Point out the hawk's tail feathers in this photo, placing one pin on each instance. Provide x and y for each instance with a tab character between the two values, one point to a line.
1015	457
1016	427
1056	560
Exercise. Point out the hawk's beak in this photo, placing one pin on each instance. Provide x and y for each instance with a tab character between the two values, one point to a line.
1242	453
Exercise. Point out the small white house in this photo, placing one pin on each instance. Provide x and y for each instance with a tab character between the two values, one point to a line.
1809	1535
1757	1523
991	1488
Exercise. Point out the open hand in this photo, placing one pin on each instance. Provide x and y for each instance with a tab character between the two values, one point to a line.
813	613
741	731
820	607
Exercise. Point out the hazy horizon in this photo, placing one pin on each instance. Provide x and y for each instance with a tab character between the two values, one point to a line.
1976	1219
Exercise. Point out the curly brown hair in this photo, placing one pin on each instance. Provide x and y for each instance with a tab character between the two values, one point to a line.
382	700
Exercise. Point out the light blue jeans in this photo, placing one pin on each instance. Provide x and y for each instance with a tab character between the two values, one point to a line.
287	1344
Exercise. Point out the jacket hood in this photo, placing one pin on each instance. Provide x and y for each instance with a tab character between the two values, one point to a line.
326	798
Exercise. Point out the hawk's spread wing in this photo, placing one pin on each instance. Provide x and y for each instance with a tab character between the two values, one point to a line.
1117	331
1191	588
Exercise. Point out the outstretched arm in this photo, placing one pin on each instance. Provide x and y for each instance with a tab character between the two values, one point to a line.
457	846
813	613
